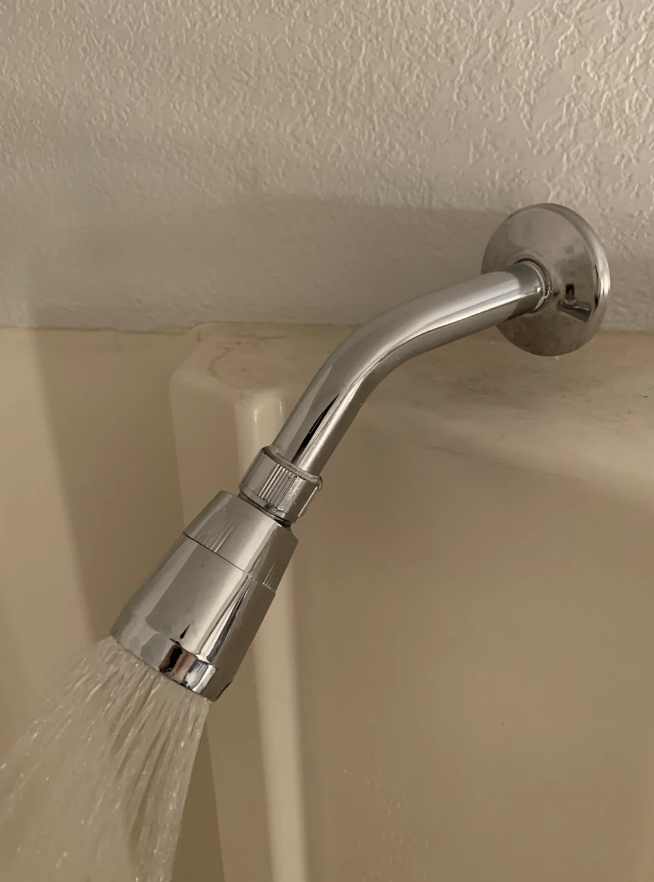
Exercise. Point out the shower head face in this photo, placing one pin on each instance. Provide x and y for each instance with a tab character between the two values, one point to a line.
196	616
574	264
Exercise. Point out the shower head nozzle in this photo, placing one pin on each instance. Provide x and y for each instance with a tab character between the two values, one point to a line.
196	616
545	283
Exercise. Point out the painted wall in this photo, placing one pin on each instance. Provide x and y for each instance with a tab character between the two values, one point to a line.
481	709
170	163
455	679
89	502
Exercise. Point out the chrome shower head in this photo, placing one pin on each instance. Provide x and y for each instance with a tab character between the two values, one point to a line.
545	283
197	614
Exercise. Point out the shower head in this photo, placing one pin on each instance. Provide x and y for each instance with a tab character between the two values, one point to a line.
197	614
545	283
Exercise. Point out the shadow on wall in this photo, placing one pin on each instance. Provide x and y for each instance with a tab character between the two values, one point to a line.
286	259
107	400
257	259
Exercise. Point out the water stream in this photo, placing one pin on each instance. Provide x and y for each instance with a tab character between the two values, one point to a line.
94	791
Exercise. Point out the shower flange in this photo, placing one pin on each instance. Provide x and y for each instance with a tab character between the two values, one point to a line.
572	259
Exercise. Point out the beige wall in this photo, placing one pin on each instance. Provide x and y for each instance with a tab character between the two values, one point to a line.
169	163
468	619
90	496
89	501
475	645
455	679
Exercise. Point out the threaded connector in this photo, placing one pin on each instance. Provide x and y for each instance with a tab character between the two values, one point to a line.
279	487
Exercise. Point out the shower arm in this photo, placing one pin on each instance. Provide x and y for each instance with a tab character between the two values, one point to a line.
545	283
285	476
543	263
341	386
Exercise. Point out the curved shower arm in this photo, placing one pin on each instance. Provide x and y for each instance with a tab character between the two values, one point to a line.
285	476
544	263
341	386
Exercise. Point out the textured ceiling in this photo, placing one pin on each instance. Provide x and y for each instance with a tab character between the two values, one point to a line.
168	163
